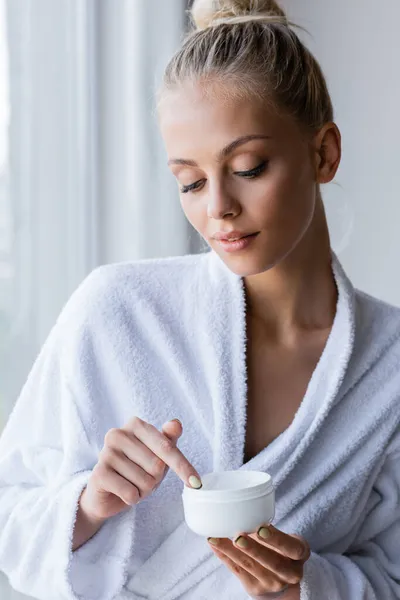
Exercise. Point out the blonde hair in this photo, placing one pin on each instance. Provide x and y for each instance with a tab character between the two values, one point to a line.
250	44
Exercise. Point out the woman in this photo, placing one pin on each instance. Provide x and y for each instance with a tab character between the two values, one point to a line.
262	348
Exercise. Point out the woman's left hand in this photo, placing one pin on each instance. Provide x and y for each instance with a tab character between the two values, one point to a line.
265	566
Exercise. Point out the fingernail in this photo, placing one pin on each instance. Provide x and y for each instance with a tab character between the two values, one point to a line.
213	541
241	541
176	420
195	482
264	533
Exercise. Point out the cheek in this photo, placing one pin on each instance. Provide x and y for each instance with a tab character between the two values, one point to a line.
289	196
195	212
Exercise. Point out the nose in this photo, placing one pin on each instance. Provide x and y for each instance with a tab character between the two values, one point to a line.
220	202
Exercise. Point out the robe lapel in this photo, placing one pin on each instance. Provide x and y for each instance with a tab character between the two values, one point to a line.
188	554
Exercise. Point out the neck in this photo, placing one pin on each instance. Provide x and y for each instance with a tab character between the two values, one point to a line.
299	294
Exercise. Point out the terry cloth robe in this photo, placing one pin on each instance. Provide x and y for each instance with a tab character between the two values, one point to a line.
165	338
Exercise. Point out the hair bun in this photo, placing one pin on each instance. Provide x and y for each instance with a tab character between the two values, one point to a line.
206	13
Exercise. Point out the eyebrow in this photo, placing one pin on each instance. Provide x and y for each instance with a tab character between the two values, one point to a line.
224	152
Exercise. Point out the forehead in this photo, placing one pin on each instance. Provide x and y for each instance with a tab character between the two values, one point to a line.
192	117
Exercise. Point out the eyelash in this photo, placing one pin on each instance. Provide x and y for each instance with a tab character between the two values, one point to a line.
252	174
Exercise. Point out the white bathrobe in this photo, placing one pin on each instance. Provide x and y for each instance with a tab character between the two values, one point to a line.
166	338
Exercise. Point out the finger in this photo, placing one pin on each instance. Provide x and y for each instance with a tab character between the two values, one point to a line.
114	483
133	473
165	449
294	547
261	579
265	564
121	440
307	553
247	579
286	569
173	430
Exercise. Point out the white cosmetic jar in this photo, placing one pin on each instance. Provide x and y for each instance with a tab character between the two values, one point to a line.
230	502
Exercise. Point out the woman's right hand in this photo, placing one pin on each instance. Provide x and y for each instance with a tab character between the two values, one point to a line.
132	464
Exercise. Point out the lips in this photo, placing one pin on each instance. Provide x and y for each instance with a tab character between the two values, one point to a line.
232	236
239	244
238	238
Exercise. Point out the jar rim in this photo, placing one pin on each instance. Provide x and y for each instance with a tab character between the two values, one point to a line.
228	486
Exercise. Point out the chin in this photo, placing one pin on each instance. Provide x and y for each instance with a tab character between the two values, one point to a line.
247	266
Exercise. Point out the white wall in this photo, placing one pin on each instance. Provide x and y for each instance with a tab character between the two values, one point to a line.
357	43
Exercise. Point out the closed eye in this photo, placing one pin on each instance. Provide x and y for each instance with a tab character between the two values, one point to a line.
192	186
253	172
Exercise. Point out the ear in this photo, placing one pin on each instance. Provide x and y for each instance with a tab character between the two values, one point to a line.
328	152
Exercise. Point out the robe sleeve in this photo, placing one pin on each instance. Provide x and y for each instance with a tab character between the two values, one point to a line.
370	570
46	457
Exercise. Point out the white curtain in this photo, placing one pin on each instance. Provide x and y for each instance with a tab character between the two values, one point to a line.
140	209
87	178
